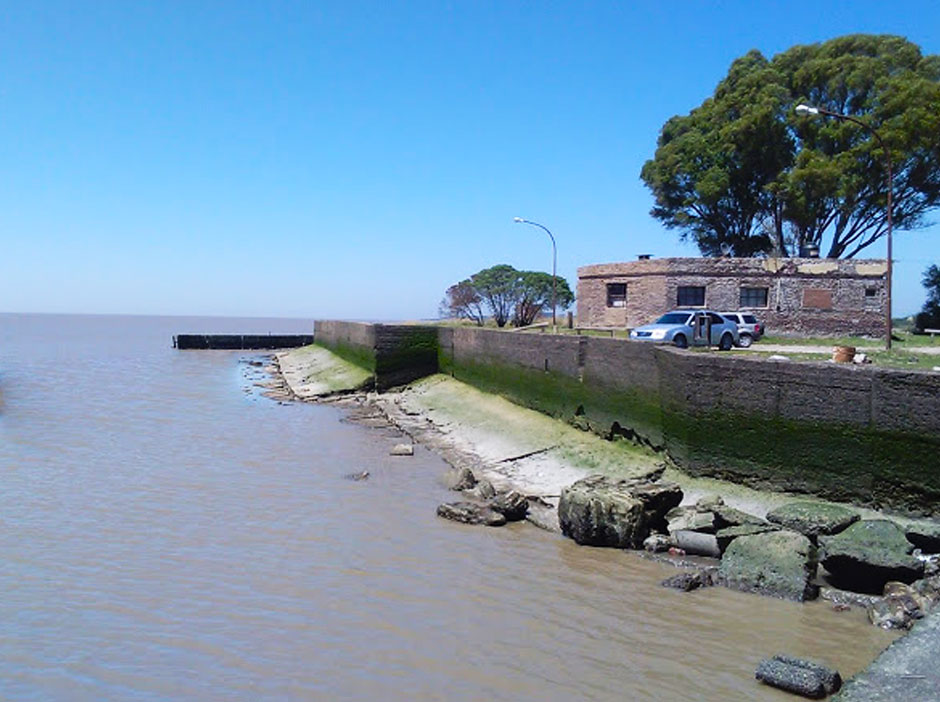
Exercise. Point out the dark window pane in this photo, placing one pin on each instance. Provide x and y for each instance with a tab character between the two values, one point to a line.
616	294
750	319
691	296
753	297
871	292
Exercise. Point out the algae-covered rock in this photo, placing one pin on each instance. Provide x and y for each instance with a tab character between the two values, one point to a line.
690	519
604	511
725	536
868	554
813	519
779	563
598	512
925	536
470	513
730	517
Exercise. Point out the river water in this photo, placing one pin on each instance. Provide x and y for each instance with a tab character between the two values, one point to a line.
168	533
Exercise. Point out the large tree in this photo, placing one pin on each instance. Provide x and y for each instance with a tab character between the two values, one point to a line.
744	174
506	294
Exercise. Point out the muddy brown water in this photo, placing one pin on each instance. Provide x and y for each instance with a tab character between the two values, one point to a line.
168	533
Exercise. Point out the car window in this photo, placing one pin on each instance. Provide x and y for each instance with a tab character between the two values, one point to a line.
731	318
750	319
716	318
673	318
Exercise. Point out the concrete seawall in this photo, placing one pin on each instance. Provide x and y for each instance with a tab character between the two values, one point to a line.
857	434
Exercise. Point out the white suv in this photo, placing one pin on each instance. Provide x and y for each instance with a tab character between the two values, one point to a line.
749	329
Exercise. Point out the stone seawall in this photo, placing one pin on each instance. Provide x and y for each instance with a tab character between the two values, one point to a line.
395	353
859	434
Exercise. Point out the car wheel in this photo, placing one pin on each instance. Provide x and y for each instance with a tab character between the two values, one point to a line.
680	341
726	343
745	341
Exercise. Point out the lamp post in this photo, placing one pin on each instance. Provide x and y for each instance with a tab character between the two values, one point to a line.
520	220
813	111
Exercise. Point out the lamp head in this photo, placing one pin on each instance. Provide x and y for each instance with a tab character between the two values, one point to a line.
518	220
802	109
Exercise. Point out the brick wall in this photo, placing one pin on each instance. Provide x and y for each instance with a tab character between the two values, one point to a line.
852	292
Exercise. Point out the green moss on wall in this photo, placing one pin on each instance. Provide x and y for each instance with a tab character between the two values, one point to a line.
602	410
357	355
409	349
837	461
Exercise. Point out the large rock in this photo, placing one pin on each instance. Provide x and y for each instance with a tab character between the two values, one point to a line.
470	513
925	536
779	563
604	511
724	537
658	497
869	554
813	519
512	505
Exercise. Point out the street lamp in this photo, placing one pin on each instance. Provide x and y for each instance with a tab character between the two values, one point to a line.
520	220
809	110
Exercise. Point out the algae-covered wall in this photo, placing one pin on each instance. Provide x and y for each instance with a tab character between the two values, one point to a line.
395	353
351	341
859	434
845	432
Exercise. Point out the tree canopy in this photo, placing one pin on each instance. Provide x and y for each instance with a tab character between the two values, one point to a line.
744	174
929	317
506	295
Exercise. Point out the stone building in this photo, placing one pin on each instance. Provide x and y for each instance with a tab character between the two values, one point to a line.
788	295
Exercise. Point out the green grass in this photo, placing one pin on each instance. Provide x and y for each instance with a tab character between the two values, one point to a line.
883	359
904	338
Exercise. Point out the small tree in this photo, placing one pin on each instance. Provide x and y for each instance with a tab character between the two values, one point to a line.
929	317
535	296
463	302
507	294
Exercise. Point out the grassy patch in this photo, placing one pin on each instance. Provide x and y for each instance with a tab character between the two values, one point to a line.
897	359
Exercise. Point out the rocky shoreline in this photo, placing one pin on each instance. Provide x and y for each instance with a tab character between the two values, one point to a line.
509	463
560	478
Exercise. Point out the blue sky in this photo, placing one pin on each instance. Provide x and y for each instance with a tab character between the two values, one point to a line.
353	159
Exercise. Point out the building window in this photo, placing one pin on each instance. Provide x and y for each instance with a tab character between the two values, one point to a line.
691	296
871	292
817	299
616	294
753	297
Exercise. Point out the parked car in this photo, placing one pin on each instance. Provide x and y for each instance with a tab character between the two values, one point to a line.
749	328
690	327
